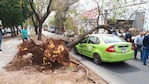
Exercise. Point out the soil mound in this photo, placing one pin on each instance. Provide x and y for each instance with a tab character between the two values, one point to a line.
51	53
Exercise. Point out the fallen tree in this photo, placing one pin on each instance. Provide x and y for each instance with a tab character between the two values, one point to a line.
50	52
80	37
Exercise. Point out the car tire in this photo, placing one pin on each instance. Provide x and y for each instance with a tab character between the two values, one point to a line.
76	51
97	59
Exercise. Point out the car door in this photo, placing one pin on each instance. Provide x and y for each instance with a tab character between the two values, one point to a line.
91	46
82	45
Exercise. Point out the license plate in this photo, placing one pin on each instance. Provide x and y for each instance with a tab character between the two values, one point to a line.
124	50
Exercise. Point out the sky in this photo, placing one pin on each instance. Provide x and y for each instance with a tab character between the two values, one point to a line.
90	4
86	5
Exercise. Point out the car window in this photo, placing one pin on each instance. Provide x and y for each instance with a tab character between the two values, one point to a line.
93	40
112	39
85	40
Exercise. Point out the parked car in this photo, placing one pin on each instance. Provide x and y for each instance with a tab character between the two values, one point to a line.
105	48
57	31
8	30
52	29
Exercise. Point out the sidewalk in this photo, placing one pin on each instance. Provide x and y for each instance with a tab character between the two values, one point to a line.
9	50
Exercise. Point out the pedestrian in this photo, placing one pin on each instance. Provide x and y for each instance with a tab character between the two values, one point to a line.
25	35
114	32
0	39
138	41
145	47
128	36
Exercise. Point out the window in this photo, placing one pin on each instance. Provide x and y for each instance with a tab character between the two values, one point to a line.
93	40
85	40
112	39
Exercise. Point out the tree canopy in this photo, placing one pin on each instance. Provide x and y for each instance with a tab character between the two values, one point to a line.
62	9
11	13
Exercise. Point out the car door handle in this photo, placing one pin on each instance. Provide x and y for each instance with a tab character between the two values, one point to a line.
81	46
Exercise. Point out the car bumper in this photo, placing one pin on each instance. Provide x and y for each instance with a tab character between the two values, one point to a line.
118	57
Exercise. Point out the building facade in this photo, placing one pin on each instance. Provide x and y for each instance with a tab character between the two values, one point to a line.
134	10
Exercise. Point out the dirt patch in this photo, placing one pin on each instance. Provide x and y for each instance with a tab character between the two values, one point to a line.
76	73
47	62
63	75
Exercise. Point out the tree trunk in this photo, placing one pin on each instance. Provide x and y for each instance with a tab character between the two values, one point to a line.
21	26
80	37
11	31
40	32
14	32
36	30
72	44
35	25
17	30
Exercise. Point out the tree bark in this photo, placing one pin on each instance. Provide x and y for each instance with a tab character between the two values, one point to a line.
17	30
11	28
40	32
35	25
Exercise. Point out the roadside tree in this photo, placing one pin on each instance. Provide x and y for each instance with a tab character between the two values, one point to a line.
41	11
12	15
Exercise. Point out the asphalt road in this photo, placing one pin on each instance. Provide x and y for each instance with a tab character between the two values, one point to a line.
128	72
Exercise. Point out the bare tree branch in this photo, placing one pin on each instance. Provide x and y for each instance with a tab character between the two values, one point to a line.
47	13
33	9
98	13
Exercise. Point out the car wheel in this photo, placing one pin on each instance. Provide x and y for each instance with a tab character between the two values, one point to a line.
76	51
97	59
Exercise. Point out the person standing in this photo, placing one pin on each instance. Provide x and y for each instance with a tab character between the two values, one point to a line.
1	35
146	48
24	33
138	45
128	36
0	39
114	32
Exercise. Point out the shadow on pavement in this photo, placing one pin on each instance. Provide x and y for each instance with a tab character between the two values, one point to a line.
120	67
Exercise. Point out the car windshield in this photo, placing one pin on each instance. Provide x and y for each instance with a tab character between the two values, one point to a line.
112	39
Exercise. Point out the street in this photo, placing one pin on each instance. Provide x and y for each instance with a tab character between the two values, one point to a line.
129	72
